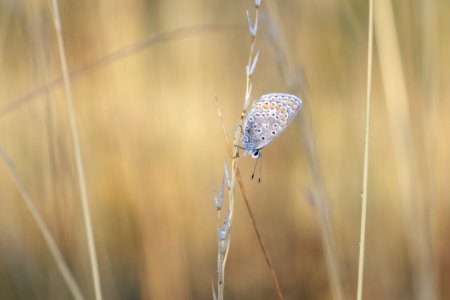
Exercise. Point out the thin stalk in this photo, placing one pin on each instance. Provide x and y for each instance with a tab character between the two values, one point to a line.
430	83
43	229
250	212
112	57
417	231
237	138
362	238
296	83
275	280
77	150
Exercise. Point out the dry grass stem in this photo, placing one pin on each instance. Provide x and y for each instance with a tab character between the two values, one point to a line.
224	232
261	243
431	81
43	229
295	84
250	211
319	199
78	159
362	239
415	221
114	56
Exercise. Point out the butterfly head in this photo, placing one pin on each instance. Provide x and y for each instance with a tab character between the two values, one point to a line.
256	153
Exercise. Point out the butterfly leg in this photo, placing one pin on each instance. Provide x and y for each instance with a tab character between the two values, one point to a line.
236	128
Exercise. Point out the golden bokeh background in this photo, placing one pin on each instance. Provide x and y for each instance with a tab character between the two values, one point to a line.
145	77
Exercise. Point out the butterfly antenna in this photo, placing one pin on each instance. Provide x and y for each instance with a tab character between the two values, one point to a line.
254	169
260	168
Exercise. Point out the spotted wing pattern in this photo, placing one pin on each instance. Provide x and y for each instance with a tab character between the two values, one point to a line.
267	118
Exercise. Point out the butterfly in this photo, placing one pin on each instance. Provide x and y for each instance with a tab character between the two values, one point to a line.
267	118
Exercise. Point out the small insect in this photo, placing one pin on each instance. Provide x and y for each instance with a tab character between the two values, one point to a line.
266	119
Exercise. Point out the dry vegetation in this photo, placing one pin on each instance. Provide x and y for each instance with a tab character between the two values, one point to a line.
144	79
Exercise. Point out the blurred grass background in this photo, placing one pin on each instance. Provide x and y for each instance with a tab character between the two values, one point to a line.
153	148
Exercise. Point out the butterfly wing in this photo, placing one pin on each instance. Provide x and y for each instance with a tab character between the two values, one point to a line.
267	118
